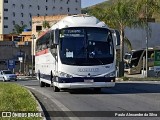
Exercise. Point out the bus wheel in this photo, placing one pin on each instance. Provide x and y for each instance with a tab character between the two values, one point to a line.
97	89
41	84
47	85
56	89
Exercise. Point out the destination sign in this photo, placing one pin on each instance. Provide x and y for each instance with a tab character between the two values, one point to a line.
72	33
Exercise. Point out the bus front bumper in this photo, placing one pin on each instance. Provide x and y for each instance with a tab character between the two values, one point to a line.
86	85
99	82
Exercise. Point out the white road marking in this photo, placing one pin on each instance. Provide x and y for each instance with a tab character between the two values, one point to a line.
30	87
63	108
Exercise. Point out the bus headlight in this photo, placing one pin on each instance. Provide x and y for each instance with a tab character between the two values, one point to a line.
111	74
64	75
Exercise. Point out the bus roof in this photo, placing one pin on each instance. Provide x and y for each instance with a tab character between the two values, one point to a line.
80	20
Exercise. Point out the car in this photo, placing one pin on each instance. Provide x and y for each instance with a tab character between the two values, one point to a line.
7	75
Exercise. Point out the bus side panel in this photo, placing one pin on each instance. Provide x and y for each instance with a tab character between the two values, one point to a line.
44	65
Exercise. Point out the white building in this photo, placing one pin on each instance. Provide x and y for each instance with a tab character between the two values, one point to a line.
21	11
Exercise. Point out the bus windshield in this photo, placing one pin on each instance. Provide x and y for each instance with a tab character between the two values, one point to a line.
86	46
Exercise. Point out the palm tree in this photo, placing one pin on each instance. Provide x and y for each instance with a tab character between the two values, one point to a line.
121	15
147	8
100	13
46	24
18	29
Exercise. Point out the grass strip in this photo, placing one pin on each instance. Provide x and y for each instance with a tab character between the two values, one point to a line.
15	98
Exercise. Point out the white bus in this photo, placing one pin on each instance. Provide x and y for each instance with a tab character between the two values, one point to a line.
76	52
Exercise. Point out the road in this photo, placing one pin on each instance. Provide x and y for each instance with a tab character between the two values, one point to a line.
126	96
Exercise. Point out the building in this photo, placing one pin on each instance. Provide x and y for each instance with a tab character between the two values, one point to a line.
20	12
37	23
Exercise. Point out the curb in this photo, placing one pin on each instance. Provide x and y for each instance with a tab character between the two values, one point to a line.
39	106
27	78
136	79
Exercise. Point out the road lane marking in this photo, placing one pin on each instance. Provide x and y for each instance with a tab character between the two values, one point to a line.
63	108
30	87
60	105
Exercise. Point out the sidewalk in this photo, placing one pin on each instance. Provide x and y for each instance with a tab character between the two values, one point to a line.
27	77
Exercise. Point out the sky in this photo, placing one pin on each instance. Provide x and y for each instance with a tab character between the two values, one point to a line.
86	3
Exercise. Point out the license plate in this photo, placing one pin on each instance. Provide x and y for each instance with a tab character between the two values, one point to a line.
89	81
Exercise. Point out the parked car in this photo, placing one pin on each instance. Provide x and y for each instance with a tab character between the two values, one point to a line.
7	75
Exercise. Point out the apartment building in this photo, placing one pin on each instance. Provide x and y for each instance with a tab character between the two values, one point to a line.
20	12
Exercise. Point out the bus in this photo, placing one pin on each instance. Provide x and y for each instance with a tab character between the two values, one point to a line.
77	52
135	61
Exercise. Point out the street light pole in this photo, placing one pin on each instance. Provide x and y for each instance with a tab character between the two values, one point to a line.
147	39
33	37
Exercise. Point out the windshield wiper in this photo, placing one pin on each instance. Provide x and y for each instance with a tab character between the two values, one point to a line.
100	61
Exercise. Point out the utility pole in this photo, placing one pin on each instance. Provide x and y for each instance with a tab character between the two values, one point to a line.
33	37
147	38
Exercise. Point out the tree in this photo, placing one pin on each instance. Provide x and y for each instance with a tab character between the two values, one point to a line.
46	24
18	29
120	15
147	8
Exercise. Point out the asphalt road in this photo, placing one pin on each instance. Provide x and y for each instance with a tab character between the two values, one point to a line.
126	97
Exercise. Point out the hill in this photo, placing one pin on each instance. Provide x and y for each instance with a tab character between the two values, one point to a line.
108	3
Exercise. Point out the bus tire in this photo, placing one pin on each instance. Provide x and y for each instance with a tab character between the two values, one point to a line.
47	85
51	78
41	84
56	89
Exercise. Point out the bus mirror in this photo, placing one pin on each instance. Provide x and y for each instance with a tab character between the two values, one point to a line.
56	37
117	35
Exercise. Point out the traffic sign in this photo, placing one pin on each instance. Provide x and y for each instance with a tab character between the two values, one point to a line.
20	59
11	64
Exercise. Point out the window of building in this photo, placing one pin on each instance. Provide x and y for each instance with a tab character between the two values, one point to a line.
37	15
30	15
38	7
14	14
30	6
5	26
46	8
76	0
5	9
53	7
76	8
68	9
38	28
22	14
30	23
5	1
13	22
22	6
67	1
61	8
46	0
6	18
14	5
22	22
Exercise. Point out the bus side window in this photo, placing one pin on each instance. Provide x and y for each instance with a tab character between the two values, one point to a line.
44	46
47	44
